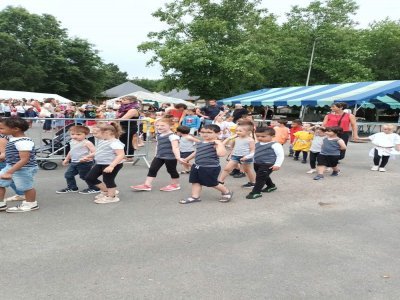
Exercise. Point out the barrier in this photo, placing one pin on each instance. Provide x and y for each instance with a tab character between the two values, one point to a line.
53	144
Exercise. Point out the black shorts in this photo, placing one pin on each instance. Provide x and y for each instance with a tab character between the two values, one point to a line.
186	154
205	176
329	161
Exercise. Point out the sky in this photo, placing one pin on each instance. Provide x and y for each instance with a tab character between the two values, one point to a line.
117	27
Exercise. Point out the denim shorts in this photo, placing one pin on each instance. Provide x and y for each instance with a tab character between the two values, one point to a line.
237	158
23	178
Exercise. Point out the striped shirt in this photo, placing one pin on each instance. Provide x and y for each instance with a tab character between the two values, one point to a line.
164	146
105	151
15	145
242	147
269	153
78	150
206	155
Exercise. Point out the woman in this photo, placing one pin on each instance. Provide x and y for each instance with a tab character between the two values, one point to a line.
178	112
48	112
129	110
338	117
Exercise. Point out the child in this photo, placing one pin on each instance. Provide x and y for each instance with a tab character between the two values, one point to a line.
186	145
21	165
315	148
205	170
295	126
242	153
148	126
80	147
109	156
385	142
281	132
228	128
167	153
268	157
330	152
192	121
302	142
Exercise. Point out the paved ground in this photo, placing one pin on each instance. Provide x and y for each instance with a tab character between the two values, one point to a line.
333	239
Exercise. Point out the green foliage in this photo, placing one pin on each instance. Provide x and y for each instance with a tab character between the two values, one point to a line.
36	54
153	85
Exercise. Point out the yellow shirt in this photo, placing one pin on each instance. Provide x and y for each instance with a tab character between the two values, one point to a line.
303	141
148	121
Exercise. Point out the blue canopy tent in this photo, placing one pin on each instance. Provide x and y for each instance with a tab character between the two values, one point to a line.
379	94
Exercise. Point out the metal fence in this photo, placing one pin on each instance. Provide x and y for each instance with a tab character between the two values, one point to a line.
51	137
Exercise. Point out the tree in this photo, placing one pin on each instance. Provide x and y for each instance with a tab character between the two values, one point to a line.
153	85
210	54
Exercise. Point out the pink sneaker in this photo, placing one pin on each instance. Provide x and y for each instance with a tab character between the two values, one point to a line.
142	187
170	188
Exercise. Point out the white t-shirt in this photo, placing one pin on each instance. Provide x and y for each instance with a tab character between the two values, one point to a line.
384	140
23	145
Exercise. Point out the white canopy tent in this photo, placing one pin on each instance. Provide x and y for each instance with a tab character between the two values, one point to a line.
153	97
4	94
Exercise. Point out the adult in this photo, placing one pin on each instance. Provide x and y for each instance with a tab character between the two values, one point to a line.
178	112
338	117
238	112
210	111
90	112
47	112
129	110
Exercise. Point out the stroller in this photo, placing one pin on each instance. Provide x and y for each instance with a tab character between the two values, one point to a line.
59	145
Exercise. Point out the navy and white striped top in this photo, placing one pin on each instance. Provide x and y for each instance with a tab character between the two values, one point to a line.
206	155
164	146
15	145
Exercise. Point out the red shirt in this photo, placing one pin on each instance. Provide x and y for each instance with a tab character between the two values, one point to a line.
293	130
333	120
176	113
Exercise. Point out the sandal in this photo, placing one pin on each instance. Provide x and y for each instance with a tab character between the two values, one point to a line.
189	200
226	197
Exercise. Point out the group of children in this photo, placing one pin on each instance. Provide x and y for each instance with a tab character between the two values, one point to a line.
257	151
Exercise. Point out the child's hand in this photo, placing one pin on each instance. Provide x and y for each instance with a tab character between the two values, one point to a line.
65	162
85	159
243	159
109	169
275	168
6	176
217	142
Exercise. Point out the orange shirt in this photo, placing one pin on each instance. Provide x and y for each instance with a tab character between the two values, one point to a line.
281	134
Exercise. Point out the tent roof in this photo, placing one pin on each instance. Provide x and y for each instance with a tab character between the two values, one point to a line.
155	97
123	89
4	94
181	94
320	95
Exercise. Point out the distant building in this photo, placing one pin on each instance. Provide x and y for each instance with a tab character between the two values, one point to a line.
181	94
123	89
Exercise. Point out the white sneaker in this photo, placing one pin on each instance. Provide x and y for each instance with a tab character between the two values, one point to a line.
105	200
311	171
23	207
15	198
375	168
103	194
382	170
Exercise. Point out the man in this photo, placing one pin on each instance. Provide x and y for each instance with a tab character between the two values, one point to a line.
210	111
239	112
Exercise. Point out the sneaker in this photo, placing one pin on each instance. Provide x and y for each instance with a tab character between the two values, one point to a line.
335	173
3	207
226	197
170	188
253	196
382	170
295	158
103	194
23	207
67	190
106	200
89	191
269	189
319	177
375	168
15	198
303	161
311	171
142	187
290	155
248	185
239	175
234	172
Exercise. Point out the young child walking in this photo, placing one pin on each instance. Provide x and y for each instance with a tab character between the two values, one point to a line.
384	144
206	168
186	145
268	157
167	153
109	158
294	127
281	132
80	147
21	165
302	142
330	152
315	149
242	153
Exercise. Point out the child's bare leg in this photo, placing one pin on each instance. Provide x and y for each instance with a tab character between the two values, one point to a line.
2	193
196	190
149	180
111	192
102	187
135	142
248	169
228	168
175	181
321	170
30	195
222	188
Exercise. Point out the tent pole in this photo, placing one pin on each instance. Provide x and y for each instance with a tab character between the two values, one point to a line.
302	110
355	109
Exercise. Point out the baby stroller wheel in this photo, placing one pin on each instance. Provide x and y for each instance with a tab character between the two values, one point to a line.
48	165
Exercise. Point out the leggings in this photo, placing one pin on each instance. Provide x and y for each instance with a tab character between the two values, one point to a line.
345	137
157	163
377	158
108	178
313	159
297	154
